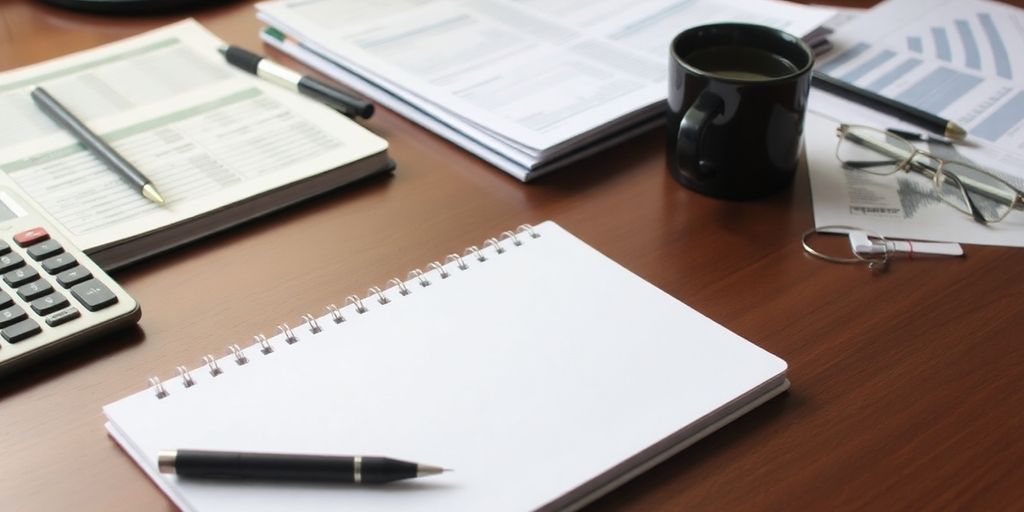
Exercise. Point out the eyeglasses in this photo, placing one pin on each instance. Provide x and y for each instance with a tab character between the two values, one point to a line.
974	191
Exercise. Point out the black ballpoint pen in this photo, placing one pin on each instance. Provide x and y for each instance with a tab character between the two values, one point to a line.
307	85
890	106
289	467
92	142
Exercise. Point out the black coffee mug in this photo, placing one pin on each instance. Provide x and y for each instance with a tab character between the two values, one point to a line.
737	96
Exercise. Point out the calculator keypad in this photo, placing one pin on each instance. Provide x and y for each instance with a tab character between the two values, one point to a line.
44	285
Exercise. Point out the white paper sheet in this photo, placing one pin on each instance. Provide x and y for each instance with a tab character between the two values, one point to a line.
538	79
543	376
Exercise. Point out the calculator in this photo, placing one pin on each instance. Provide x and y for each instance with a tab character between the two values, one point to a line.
52	295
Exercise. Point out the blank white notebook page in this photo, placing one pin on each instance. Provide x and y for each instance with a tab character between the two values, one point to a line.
531	374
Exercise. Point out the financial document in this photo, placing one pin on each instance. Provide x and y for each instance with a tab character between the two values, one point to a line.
946	57
206	134
900	205
959	59
531	81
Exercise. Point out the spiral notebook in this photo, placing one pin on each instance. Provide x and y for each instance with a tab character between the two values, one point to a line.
541	371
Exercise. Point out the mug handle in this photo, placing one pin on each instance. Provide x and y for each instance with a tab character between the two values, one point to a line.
691	131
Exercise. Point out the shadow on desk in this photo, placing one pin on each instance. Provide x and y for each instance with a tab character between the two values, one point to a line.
682	473
71	359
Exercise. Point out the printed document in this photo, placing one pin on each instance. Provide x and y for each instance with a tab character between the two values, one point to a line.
533	81
206	134
956	59
951	58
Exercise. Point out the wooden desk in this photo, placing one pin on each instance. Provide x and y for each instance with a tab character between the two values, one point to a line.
907	386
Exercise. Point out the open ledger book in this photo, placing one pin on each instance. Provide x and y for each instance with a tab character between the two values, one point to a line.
528	85
221	145
541	371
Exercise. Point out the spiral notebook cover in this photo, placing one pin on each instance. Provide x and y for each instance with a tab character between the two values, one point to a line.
541	371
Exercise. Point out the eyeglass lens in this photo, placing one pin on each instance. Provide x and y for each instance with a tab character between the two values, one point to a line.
873	151
970	190
974	192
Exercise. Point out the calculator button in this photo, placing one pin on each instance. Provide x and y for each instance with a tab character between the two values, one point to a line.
62	316
31	236
11	315
34	290
94	295
45	249
21	330
18	277
5	300
49	304
57	263
4	247
73	276
10	262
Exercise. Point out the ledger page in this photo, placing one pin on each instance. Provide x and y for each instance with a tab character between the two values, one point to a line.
206	134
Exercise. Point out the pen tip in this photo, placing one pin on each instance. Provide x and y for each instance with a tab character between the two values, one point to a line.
955	131
223	49
427	470
150	192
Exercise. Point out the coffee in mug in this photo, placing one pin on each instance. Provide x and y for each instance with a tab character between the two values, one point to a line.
737	98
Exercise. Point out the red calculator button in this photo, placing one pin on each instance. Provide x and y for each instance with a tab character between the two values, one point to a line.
31	236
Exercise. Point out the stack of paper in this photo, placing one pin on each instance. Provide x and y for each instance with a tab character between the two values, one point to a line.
529	85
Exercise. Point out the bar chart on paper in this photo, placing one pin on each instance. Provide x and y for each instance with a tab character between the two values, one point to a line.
954	58
958	59
976	41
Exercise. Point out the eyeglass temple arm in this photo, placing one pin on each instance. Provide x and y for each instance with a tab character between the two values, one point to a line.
975	212
884	149
866	164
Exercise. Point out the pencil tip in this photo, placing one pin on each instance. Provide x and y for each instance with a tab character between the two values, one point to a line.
955	131
150	192
223	49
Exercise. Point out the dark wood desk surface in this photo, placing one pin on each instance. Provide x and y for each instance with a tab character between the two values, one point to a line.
907	386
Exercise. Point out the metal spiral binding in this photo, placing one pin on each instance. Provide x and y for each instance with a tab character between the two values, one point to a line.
381	298
398	283
158	387
458	261
334	311
418	274
212	365
509	235
240	358
493	242
286	331
528	229
439	268
354	299
311	323
475	252
261	341
336	315
186	377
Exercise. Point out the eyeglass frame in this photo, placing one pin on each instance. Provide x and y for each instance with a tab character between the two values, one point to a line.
907	164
